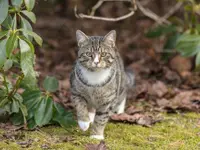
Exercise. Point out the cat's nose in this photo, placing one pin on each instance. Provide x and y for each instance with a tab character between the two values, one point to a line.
96	63
96	59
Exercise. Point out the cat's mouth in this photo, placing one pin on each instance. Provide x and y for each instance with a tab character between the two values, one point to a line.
95	69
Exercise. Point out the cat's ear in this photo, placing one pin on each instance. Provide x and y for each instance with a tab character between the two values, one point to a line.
110	38
80	37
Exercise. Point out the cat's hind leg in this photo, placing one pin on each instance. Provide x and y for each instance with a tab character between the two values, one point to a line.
100	120
121	107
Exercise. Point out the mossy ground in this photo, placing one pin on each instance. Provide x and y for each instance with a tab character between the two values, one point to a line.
175	132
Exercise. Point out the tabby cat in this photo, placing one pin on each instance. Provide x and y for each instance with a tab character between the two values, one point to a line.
98	81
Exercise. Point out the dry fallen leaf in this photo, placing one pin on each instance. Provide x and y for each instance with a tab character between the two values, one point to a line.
186	100
25	144
132	110
181	65
162	102
158	89
137	118
100	146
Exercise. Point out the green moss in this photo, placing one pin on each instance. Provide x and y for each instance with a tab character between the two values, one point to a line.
180	132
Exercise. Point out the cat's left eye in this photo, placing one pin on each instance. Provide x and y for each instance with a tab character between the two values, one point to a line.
103	54
89	54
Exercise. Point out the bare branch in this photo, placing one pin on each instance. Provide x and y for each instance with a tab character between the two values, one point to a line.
172	10
145	2
152	15
95	7
105	18
99	3
140	4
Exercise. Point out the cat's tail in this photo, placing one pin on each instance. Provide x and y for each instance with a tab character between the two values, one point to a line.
130	78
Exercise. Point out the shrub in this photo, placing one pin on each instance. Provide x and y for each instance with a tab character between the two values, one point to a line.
184	34
32	107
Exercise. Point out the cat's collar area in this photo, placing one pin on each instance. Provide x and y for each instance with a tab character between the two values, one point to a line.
94	78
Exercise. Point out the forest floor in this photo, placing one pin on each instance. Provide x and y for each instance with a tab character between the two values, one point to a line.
163	108
177	131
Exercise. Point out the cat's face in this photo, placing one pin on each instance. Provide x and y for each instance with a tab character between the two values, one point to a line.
96	52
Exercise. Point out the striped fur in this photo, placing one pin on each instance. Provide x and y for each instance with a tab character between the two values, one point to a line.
98	81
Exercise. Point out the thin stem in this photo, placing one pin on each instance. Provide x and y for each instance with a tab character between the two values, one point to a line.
5	82
16	86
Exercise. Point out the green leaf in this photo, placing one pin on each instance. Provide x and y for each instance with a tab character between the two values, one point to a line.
62	116
30	15
17	2
171	41
26	63
24	47
50	84
189	38
10	44
197	60
188	45
7	23
23	109
3	33
31	101
31	98
188	48
7	108
44	112
66	120
198	28
169	47
29	4
2	93
14	22
3	10
4	101
37	38
160	30
32	124
28	42
15	106
17	118
2	52
29	82
59	108
18	97
26	58
7	65
26	26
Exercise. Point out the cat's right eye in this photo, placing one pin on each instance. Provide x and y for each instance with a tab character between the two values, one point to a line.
103	54
89	54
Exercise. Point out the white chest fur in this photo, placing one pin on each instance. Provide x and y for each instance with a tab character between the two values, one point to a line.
95	78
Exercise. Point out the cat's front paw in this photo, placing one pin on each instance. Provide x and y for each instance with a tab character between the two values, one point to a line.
84	125
91	116
98	137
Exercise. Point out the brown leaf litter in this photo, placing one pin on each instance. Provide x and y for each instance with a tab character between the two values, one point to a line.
100	146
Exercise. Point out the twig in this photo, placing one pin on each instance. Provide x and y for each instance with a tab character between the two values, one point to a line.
145	2
151	14
98	4
171	11
5	82
107	19
140	4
